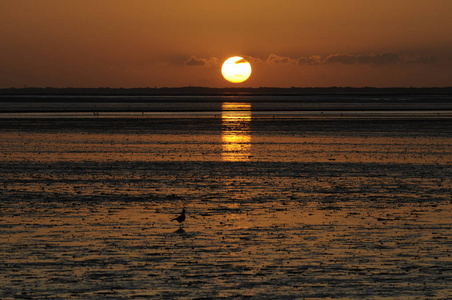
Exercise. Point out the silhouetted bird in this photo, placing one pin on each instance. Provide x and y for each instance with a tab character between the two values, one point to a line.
180	218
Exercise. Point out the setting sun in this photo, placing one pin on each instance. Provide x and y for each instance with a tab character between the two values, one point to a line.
236	69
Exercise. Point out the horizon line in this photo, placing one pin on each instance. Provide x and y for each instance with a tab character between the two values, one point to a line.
231	87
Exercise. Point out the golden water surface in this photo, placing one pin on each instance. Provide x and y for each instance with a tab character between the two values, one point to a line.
320	209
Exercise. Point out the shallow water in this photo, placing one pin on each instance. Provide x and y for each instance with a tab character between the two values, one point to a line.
284	207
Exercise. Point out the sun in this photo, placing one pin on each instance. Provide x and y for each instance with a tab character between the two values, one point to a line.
236	69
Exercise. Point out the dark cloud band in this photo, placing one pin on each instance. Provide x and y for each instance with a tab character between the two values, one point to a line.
388	58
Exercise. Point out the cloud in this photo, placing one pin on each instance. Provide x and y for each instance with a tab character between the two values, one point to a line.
389	58
427	60
374	59
253	60
311	60
241	61
276	59
194	61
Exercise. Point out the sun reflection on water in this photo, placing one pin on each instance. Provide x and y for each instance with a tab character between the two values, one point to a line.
235	136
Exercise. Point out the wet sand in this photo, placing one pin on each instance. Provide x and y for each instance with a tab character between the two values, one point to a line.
278	208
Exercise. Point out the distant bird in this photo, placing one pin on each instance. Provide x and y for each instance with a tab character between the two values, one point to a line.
180	218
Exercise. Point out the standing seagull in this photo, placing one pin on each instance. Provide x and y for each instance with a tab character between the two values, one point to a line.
180	218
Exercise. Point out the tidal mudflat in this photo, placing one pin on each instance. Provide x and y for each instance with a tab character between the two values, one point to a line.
278	207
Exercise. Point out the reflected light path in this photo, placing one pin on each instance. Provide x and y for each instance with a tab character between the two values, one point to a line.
235	134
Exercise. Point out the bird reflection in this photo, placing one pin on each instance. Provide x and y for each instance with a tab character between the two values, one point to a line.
180	230
235	137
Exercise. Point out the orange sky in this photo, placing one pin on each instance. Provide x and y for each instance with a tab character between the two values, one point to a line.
99	43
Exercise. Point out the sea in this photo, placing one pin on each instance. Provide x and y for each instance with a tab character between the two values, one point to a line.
286	197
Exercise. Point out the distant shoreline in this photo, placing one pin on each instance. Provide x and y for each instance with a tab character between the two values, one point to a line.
205	91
